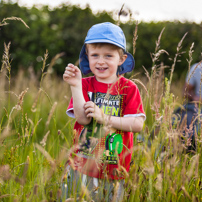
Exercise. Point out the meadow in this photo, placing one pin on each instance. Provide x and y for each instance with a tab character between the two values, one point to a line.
36	136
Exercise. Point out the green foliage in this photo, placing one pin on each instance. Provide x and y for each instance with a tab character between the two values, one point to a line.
64	28
148	34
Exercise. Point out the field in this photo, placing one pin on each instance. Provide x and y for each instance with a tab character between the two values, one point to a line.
36	136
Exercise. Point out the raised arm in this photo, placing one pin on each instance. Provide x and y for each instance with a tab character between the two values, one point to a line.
72	76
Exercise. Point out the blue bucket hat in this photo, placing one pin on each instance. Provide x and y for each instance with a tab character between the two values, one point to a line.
106	33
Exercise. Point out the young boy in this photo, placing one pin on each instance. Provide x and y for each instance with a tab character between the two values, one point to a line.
108	110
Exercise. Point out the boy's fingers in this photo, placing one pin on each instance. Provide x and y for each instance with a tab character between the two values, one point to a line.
68	74
76	69
89	115
89	110
89	104
72	67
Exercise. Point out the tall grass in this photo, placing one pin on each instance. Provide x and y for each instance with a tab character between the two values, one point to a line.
36	137
35	133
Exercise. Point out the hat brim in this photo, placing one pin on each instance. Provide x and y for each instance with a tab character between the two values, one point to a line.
127	66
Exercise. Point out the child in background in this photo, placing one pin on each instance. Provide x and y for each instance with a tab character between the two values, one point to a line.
108	110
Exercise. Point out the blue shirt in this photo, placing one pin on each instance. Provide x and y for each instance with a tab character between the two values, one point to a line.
194	78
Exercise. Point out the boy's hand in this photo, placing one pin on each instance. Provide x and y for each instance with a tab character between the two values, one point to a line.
72	75
93	111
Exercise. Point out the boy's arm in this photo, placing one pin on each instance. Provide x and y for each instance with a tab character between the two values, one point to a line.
128	124
72	76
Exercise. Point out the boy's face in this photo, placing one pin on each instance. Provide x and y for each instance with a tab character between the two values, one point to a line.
104	61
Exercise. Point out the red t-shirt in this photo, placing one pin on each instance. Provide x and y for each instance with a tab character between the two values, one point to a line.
104	153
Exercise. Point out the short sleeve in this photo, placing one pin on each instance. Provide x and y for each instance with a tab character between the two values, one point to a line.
133	102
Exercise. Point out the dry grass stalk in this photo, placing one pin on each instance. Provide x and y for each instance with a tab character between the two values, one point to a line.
47	95
44	61
47	175
135	37
158	184
7	196
43	141
3	22
159	40
173	192
159	83
57	56
179	47
119	14
36	126
66	155
6	63
186	192
2	85
20	99
139	82
44	66
190	56
155	56
149	166
194	164
33	109
116	187
51	113
46	154
124	172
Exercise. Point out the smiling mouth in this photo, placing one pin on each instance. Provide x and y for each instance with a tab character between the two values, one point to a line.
101	68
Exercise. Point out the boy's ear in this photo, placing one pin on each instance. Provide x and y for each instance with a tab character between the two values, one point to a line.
122	59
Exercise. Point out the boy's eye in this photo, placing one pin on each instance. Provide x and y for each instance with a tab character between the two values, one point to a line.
108	56
94	55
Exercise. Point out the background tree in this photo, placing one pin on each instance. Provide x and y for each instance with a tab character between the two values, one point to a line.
64	28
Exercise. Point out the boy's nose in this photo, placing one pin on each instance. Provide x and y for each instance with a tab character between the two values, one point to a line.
101	60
